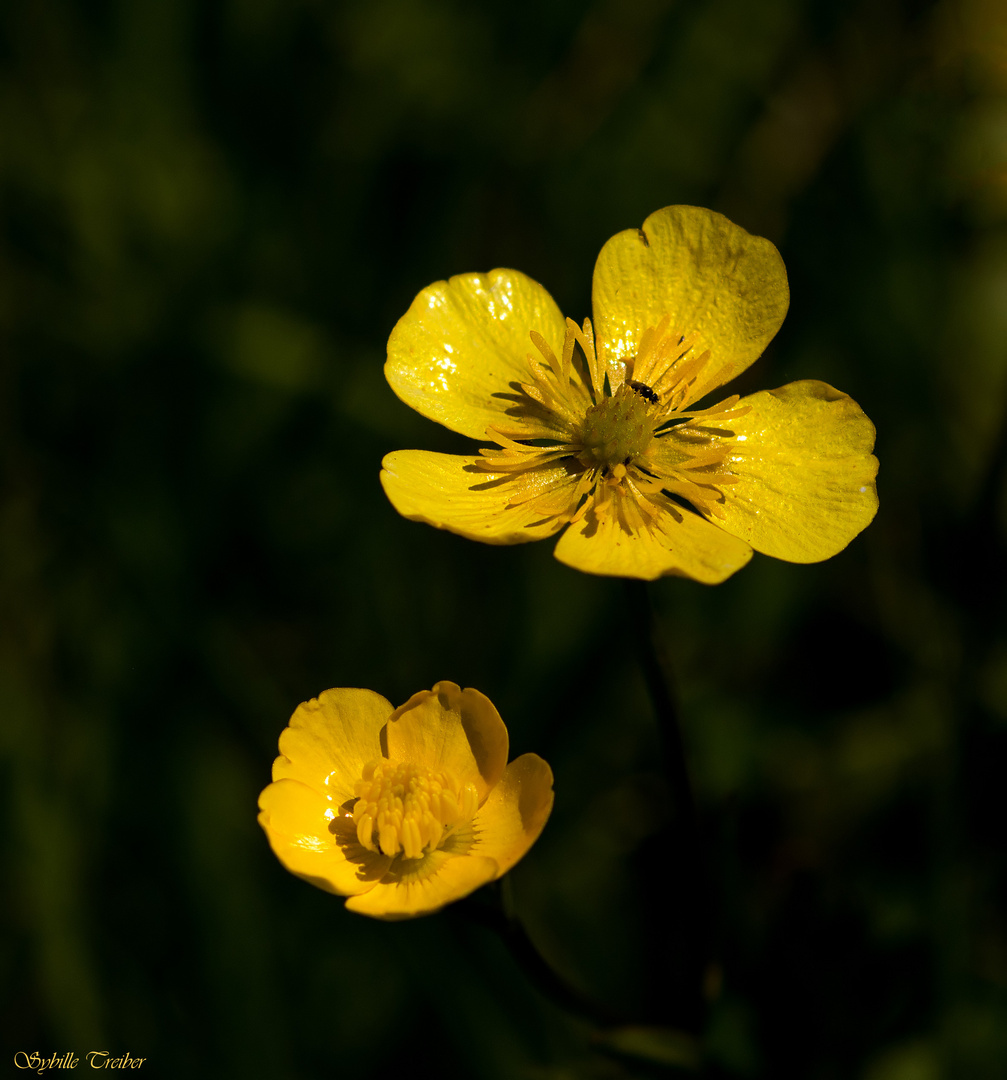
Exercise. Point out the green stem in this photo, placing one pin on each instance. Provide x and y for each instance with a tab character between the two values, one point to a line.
656	670
487	908
690	919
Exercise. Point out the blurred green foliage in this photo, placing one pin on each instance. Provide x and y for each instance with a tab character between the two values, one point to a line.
213	212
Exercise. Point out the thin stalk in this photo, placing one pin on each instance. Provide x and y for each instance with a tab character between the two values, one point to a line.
656	670
680	875
489	910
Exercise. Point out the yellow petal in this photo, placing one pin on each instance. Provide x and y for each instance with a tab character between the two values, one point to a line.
510	820
805	472
316	843
448	728
422	886
679	542
451	492
462	343
710	276
329	740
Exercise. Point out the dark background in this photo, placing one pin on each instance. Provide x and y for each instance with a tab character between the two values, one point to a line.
212	214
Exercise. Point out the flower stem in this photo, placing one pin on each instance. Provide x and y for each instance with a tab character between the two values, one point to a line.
489	909
690	921
656	670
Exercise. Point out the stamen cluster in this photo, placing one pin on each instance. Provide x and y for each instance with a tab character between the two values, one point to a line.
608	425
409	809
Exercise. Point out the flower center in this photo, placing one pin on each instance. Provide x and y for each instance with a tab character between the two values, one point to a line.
409	808
617	429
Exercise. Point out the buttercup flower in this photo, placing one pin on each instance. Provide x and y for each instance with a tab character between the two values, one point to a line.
597	429
402	810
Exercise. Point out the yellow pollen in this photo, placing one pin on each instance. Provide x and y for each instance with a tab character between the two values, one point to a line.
409	809
616	430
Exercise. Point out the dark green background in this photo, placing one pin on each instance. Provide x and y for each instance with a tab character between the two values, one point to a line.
212	215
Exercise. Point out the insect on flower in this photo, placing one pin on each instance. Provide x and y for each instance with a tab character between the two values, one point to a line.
644	391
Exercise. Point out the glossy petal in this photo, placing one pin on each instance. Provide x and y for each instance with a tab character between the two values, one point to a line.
313	843
437	880
452	729
455	353
708	274
450	492
515	813
806	473
329	740
680	543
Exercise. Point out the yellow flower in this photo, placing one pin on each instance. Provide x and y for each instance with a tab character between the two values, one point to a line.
596	429
402	810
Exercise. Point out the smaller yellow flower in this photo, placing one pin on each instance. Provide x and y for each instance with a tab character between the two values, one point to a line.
402	810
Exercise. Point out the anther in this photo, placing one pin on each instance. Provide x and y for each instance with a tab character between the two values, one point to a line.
409	809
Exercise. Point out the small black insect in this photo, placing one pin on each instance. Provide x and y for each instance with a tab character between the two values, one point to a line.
644	391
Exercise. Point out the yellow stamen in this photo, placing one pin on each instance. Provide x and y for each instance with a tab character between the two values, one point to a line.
409	809
609	428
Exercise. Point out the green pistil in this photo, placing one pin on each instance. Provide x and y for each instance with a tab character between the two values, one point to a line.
617	429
